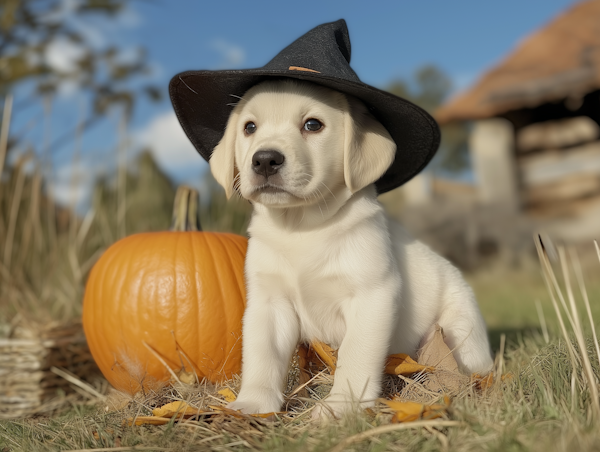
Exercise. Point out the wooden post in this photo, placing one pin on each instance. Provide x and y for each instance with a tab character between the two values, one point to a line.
417	191
492	151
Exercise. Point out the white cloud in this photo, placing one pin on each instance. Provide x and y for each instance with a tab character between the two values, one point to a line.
71	185
62	55
232	56
94	30
170	146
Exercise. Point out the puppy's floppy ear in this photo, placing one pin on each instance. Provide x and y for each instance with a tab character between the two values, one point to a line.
222	159
368	147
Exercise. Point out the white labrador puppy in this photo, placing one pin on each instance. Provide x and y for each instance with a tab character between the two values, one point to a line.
324	263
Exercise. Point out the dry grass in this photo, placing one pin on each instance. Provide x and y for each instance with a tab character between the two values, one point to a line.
535	410
550	403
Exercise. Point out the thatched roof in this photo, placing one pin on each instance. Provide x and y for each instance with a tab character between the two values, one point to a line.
560	60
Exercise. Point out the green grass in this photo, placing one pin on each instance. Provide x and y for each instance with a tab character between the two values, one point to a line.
507	299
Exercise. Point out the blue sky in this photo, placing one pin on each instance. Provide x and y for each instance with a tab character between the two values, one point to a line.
390	39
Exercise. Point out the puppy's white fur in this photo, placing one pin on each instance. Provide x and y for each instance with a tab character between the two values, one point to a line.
324	263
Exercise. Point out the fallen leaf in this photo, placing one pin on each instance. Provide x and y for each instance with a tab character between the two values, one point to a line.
234	413
402	364
227	394
486	381
189	378
446	382
147	420
327	354
436	353
312	360
303	367
446	379
108	430
482	382
179	409
239	415
413	411
434	359
268	415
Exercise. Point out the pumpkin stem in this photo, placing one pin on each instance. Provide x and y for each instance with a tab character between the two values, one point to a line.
186	210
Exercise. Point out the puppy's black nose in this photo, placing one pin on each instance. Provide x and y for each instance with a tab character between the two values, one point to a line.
267	163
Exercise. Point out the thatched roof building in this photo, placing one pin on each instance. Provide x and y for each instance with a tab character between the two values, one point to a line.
534	143
559	62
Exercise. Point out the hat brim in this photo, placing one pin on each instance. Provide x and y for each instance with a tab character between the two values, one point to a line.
203	100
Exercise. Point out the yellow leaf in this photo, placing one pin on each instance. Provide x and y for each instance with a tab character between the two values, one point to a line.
227	394
179	409
486	381
267	415
413	411
186	377
482	382
326	353
240	415
225	410
402	364
149	420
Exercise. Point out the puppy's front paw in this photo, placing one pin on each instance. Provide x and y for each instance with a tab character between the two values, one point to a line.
246	407
257	401
323	412
335	406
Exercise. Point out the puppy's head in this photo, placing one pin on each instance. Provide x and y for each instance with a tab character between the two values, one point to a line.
291	143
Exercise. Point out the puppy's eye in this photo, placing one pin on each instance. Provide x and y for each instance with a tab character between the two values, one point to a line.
312	125
250	128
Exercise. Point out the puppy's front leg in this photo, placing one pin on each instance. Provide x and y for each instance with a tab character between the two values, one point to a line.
370	319
270	335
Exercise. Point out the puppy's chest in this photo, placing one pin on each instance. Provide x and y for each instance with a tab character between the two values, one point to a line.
312	274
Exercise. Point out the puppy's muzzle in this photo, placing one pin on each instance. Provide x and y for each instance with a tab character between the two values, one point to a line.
266	163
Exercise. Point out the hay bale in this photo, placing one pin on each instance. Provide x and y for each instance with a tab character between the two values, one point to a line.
27	385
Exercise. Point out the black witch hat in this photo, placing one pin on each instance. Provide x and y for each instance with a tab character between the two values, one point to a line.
202	99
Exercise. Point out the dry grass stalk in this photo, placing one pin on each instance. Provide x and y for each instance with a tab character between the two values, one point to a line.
548	277
544	326
122	177
391	428
6	118
118	449
582	358
14	211
162	361
579	275
77	382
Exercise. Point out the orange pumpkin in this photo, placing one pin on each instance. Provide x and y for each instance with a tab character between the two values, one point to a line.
176	297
